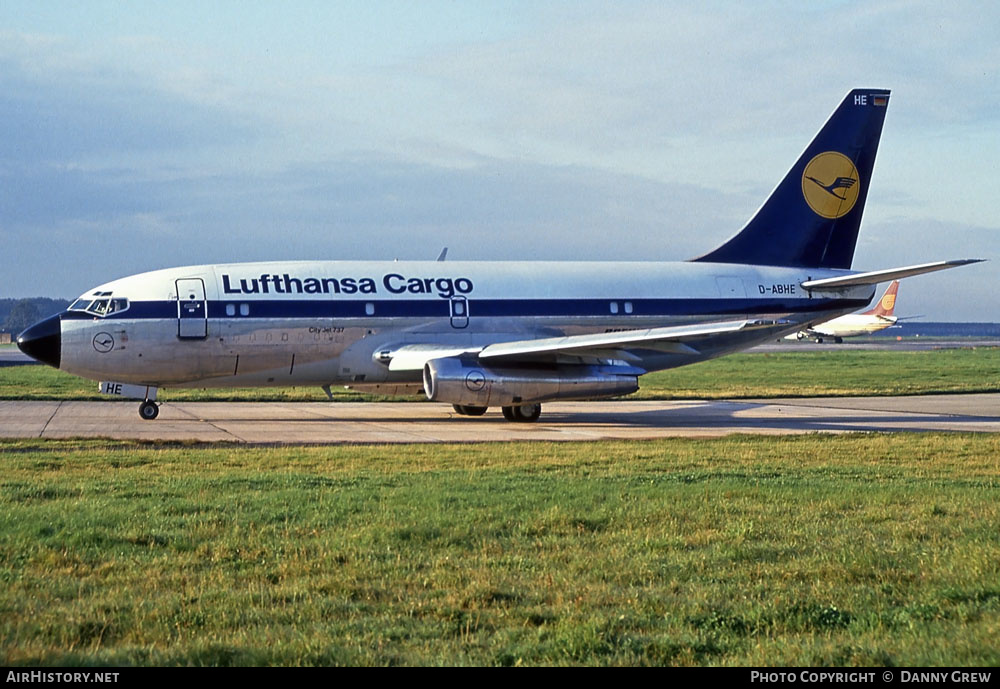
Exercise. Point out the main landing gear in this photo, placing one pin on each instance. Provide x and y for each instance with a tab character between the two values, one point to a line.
526	413
148	410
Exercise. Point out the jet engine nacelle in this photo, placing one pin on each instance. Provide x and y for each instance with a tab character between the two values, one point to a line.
466	382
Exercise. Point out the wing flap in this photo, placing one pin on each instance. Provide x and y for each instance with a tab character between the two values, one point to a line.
673	340
413	357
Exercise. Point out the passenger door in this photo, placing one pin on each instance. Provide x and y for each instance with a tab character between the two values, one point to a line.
192	310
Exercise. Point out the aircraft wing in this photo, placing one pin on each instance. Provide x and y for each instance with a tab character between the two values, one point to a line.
674	339
876	276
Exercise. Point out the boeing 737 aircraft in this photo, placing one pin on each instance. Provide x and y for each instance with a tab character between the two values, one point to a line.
854	324
487	334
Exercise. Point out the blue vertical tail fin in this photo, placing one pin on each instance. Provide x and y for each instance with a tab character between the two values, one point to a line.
812	218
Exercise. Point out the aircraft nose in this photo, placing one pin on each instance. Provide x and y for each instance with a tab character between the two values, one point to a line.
43	341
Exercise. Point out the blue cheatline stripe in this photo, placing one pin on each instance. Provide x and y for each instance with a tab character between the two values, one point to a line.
484	308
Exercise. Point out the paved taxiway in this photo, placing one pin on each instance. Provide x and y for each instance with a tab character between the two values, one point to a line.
387	422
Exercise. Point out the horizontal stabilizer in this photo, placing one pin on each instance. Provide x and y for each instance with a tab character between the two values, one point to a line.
876	276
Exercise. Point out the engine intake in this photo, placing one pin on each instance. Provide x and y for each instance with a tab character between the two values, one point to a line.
466	382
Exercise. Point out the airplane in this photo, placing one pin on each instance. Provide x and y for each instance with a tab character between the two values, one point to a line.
854	324
481	334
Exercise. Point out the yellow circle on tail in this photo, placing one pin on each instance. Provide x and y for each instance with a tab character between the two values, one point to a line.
888	301
830	184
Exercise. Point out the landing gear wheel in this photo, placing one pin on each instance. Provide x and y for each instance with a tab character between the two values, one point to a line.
148	410
474	411
838	340
526	413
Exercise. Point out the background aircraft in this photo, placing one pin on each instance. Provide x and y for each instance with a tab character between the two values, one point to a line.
482	334
854	324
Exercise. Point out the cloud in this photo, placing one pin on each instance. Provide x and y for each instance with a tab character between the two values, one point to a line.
640	78
68	111
371	209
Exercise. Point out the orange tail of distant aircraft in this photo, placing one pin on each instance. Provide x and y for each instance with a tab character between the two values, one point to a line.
887	304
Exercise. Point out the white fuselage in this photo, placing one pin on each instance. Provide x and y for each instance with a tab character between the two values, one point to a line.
324	322
854	324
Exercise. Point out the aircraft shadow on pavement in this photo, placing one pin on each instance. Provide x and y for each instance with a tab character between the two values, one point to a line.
709	415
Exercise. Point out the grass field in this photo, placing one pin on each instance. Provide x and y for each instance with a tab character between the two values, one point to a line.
793	374
845	550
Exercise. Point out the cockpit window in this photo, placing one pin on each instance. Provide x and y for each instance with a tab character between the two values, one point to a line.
100	307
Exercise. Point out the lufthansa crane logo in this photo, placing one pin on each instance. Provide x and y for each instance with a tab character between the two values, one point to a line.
830	184
103	342
475	380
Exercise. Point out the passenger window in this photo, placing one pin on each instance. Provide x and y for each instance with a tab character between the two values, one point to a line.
230	309
244	309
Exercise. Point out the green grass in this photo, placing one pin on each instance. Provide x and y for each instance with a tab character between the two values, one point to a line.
846	550
796	374
818	374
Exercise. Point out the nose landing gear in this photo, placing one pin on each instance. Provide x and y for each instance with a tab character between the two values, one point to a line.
148	410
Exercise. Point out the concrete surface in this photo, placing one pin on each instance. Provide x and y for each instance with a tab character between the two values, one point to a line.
388	422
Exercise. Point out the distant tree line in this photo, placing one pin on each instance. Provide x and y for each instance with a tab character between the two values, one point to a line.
18	314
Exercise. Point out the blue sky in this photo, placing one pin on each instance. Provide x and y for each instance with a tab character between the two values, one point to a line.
142	135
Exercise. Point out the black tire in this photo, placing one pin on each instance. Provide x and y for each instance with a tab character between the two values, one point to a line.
527	413
148	410
508	413
475	411
460	409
